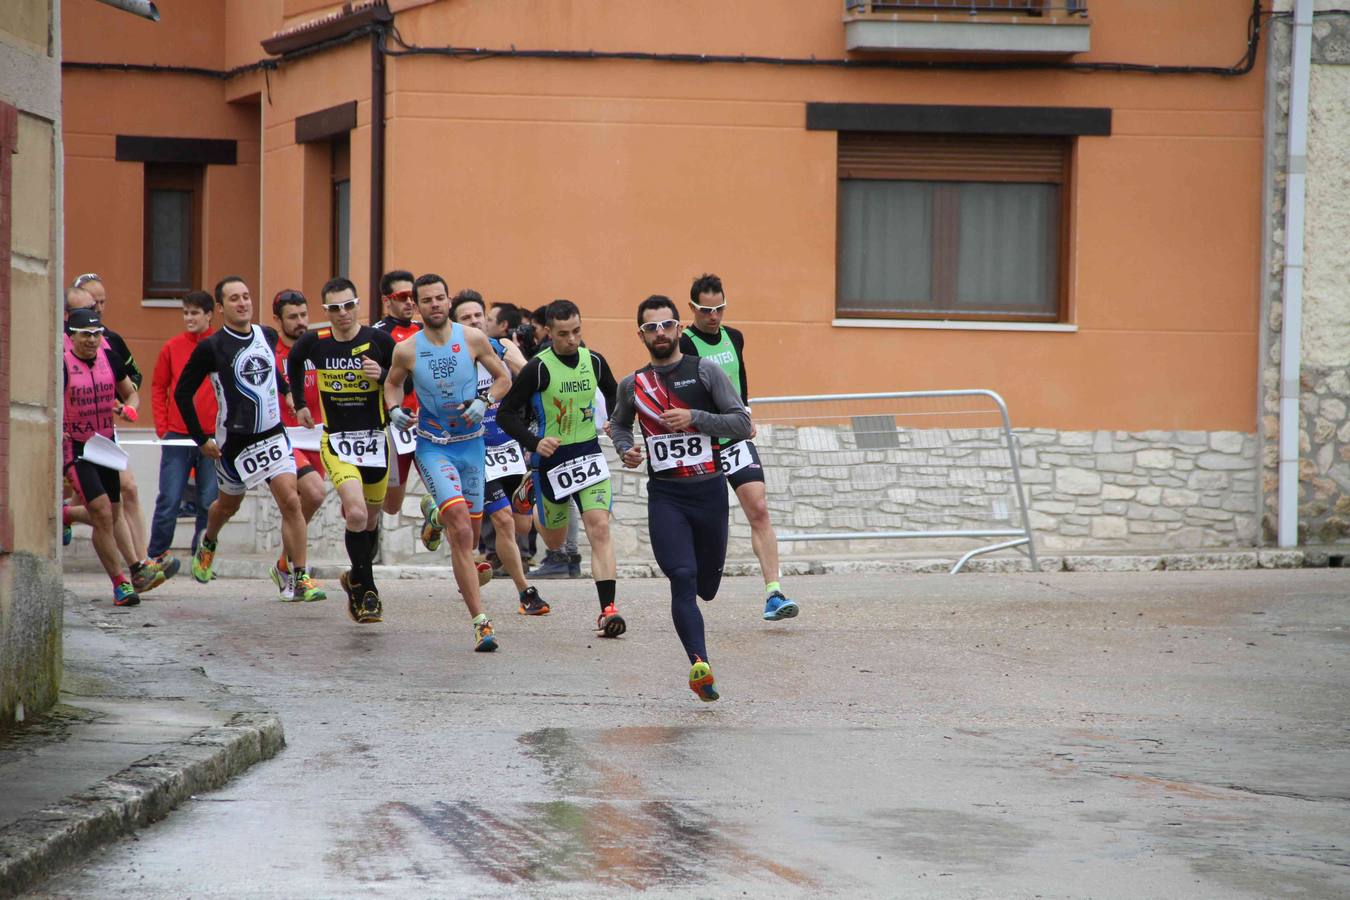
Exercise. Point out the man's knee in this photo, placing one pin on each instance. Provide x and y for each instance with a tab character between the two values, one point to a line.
597	527
103	514
355	514
504	521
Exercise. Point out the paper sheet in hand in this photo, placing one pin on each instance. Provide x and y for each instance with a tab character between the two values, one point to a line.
305	438
102	452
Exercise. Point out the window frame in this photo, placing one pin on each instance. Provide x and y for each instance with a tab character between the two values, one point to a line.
943	259
172	177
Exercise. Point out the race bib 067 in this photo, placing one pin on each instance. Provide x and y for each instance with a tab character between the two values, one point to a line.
736	457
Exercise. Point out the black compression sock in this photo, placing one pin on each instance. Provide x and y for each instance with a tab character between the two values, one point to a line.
605	589
358	551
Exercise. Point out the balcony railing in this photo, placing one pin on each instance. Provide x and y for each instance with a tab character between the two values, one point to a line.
1019	27
973	7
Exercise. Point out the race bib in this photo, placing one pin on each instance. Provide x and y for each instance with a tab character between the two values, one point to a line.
265	459
502	461
578	473
360	448
404	442
666	451
736	457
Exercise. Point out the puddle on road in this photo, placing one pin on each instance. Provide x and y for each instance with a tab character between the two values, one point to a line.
584	837
944	837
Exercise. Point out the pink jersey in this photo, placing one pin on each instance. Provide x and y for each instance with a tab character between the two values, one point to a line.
91	392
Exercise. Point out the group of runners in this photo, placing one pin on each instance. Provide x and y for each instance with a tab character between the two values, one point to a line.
491	433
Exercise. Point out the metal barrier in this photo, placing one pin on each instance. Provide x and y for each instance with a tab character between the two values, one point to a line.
974	7
837	453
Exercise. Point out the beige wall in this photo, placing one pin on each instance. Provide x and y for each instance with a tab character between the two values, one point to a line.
30	586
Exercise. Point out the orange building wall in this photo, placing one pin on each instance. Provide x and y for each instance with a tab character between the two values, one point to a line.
607	181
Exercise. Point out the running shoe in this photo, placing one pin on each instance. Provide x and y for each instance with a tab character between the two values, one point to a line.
610	624
303	587
67	535
125	595
522	498
146	578
555	565
431	524
282	582
701	681
574	565
201	562
353	595
170	564
779	607
484	573
531	604
370	610
484	640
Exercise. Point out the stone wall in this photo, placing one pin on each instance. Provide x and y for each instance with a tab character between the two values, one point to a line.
1324	427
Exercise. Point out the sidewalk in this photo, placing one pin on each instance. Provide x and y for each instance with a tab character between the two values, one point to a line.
132	738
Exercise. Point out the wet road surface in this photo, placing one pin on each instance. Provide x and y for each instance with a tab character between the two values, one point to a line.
1067	735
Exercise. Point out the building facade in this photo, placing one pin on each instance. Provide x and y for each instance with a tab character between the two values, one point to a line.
30	425
1059	201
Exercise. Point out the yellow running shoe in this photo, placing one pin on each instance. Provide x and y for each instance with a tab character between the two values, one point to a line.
431	524
202	560
484	640
701	681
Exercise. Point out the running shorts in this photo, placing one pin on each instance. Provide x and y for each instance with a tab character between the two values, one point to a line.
752	471
307	461
227	467
497	494
453	473
399	467
374	479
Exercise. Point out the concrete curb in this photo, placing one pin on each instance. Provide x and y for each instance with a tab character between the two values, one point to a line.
37	846
1207	560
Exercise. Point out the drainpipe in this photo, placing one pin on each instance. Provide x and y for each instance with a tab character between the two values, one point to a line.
1292	334
376	167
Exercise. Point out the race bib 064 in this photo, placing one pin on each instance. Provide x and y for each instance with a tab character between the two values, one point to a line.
360	448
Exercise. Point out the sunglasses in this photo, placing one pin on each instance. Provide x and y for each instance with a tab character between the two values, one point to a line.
707	310
87	332
344	306
663	325
399	295
87	277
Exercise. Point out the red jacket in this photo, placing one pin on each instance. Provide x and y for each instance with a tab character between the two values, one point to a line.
172	358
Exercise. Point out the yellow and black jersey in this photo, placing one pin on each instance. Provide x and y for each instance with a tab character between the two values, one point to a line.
352	401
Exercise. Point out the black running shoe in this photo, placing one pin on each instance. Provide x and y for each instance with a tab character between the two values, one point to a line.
371	610
531	604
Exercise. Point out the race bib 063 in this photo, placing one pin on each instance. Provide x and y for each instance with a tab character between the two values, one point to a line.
502	461
666	451
267	458
578	473
360	448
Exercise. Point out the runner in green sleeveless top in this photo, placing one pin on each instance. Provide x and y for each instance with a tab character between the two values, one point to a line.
709	338
560	389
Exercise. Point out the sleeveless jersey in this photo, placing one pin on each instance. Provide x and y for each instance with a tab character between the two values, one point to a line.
566	407
723	353
493	436
680	388
91	391
445	379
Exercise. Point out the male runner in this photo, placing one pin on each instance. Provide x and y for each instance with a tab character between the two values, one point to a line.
146	573
250	445
558	389
351	361
441	360
396	293
709	338
290	310
504	462
96	379
681	402
131	526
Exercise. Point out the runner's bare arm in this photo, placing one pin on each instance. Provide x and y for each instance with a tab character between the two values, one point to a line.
485	356
399	369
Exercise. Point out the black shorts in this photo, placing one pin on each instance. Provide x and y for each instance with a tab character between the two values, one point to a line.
91	481
497	493
752	471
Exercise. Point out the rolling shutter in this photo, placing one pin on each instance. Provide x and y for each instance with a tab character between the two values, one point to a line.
939	157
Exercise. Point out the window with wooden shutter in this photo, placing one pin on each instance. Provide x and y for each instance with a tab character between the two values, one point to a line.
952	226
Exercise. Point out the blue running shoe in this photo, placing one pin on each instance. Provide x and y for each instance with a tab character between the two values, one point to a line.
125	595
779	607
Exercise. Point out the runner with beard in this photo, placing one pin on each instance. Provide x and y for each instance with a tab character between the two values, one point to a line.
681	404
396	295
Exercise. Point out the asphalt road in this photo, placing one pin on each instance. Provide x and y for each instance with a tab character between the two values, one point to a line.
1066	735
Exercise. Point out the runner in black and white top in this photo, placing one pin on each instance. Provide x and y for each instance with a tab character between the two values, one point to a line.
250	445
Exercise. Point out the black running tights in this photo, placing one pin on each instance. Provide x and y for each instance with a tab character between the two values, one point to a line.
688	526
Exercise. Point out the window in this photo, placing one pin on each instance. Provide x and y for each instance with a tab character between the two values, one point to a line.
342	206
951	227
172	230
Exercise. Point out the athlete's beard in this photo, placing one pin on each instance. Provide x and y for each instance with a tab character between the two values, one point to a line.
661	352
294	335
